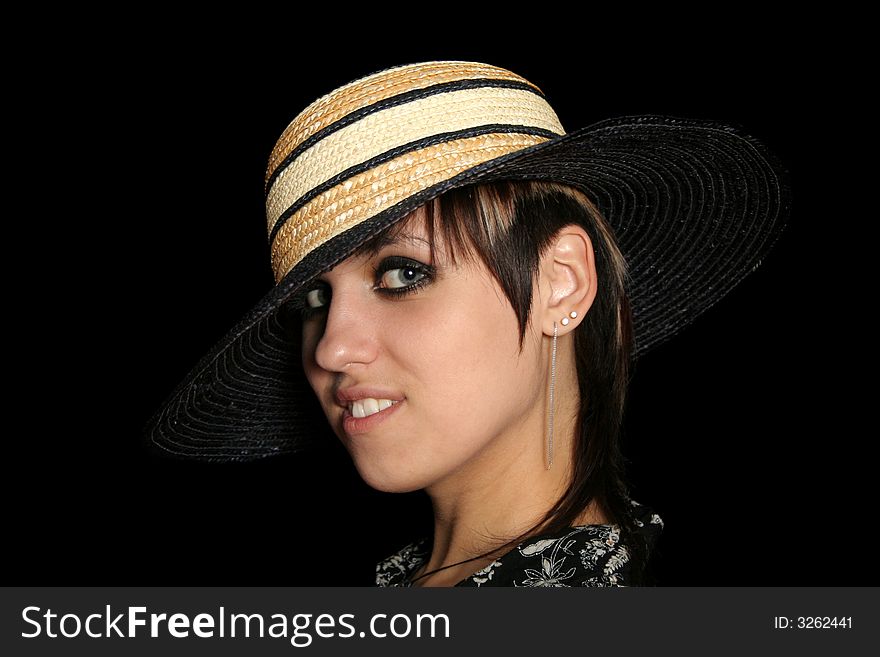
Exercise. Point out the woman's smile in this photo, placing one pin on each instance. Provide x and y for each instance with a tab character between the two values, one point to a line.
368	406
367	414
364	407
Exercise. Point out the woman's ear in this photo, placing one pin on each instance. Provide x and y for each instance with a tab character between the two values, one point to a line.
567	281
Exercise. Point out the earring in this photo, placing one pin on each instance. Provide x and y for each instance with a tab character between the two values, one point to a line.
552	394
565	321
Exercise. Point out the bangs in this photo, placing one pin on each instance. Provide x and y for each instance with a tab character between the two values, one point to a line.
466	222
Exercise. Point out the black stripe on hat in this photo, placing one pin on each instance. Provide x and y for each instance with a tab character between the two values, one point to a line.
400	150
385	103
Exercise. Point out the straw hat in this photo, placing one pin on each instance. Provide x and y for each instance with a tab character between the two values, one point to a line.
695	206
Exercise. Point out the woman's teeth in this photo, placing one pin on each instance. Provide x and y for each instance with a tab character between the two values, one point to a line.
368	406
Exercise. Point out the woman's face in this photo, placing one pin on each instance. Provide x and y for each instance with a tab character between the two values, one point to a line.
435	349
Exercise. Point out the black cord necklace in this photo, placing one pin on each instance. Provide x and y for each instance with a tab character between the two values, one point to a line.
437	570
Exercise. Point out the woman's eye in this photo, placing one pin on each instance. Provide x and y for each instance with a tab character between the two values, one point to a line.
317	298
401	277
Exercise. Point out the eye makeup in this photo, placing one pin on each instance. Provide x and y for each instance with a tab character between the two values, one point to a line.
394	277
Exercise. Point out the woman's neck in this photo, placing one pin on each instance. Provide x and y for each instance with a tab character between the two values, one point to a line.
499	494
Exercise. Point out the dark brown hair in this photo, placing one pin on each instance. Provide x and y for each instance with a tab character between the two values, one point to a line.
509	225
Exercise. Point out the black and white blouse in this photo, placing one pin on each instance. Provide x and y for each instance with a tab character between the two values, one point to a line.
582	555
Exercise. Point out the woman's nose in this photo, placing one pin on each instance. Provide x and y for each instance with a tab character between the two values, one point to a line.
349	334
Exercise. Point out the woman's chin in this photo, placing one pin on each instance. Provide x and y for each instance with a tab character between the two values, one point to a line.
390	482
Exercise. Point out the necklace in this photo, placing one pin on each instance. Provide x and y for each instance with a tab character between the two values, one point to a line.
437	570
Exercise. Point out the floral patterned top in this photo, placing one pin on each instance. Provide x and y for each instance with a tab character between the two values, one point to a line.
583	555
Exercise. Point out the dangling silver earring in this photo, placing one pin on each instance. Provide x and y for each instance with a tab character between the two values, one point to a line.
552	393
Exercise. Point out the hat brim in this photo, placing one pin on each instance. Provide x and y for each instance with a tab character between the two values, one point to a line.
695	206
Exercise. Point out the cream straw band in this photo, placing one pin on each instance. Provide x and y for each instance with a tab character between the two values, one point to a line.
374	89
393	128
380	187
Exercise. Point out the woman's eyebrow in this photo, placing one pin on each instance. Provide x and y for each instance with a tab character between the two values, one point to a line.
372	247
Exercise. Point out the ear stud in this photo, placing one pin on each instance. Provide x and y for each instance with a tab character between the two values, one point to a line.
565	321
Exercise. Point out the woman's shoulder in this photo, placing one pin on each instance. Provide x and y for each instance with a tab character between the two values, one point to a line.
582	555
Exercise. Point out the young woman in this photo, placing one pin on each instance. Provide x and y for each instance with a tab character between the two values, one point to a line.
461	290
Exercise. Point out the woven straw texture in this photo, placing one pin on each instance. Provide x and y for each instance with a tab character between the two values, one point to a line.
371	91
695	205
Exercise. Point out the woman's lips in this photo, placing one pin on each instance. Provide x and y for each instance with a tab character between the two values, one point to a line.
359	425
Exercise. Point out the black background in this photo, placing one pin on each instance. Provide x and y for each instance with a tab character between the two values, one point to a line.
739	432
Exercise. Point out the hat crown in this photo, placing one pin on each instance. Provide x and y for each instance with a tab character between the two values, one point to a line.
374	142
375	88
